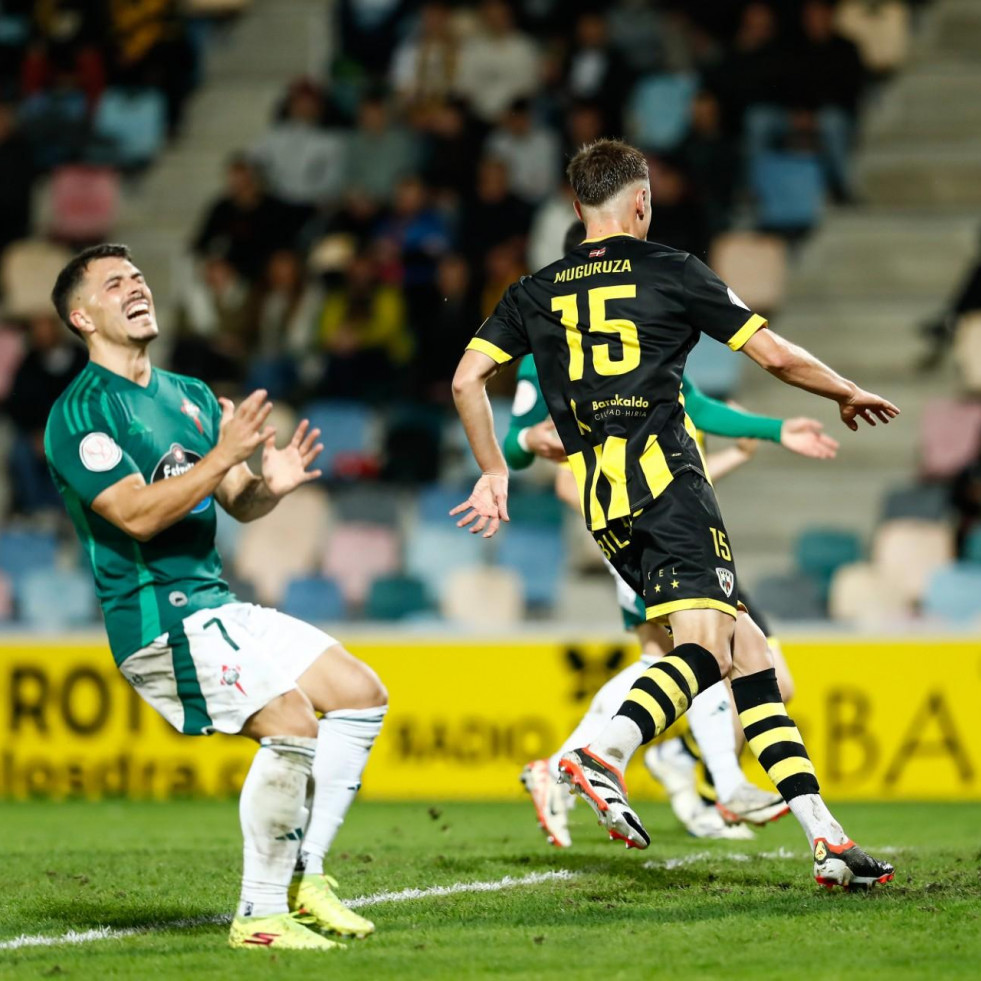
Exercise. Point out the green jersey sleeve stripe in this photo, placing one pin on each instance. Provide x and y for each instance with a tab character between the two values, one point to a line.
196	718
76	403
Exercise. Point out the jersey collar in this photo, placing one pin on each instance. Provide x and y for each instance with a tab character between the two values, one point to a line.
121	383
603	238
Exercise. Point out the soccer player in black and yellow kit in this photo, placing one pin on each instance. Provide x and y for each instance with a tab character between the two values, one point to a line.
611	325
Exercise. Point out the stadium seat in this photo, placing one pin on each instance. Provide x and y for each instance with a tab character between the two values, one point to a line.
484	597
434	551
73	592
972	546
23	551
413	434
313	599
358	553
881	30
435	502
84	203
714	368
286	544
967	352
6	598
795	596
537	554
659	110
950	437
459	464
789	190
11	355
55	123
754	265
27	270
396	598
860	594
377	505
905	552
820	551
954	593
930	502
346	431
133	124
527	507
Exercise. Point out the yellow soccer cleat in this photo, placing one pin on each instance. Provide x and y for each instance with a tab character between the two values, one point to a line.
315	904
281	931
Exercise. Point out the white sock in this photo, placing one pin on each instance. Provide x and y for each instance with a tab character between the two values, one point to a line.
605	702
343	745
620	739
271	810
710	720
816	819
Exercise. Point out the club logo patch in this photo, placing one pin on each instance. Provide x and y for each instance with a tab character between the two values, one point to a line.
230	675
99	452
726	580
173	463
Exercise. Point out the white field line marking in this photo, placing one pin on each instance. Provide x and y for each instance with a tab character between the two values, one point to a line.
108	933
780	853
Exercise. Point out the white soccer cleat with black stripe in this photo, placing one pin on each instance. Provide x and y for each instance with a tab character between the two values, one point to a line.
848	866
550	808
601	786
751	805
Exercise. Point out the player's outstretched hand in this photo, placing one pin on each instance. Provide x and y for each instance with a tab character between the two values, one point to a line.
487	505
806	437
543	440
865	405
243	430
284	470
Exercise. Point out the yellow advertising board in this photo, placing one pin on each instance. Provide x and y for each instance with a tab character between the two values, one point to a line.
883	719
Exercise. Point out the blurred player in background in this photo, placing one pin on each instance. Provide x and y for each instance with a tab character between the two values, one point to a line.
140	457
611	325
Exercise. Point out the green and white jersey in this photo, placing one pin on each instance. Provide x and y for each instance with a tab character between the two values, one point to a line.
104	428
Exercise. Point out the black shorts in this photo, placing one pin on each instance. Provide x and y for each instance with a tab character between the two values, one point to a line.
675	553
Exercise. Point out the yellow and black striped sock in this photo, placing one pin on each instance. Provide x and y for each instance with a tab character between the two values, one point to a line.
663	692
772	735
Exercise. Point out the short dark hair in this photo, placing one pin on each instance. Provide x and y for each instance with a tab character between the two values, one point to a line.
72	275
602	169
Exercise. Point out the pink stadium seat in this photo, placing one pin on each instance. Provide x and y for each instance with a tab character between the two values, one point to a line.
861	594
950	437
880	29
27	270
11	354
357	553
483	596
907	551
754	265
967	351
84	203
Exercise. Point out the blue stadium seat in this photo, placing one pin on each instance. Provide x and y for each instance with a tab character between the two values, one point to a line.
435	550
345	429
795	596
56	598
660	110
55	124
789	189
435	501
972	547
929	502
527	507
133	124
954	592
313	599
22	552
397	598
714	368
820	551
537	554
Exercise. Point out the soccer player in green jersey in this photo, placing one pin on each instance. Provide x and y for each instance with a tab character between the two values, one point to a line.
142	457
610	325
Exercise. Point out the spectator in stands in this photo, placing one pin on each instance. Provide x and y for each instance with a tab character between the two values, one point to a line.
546	239
595	72
304	164
939	331
677	219
53	359
493	215
584	124
424	68
379	152
531	152
451	149
368	32
246	225
211	323
712	160
65	39
498	64
17	168
503	265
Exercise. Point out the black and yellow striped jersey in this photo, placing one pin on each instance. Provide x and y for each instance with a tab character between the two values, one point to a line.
610	325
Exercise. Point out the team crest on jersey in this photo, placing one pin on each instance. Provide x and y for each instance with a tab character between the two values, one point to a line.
726	580
173	463
596	253
193	411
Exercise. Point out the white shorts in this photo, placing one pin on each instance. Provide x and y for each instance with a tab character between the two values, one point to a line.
220	666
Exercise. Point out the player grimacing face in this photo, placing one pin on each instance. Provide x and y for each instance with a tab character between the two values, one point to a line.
114	304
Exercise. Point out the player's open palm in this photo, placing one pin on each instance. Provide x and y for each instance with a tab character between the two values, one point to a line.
243	429
486	507
807	437
865	405
284	470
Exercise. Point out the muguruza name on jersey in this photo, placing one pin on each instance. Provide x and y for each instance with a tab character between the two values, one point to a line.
592	269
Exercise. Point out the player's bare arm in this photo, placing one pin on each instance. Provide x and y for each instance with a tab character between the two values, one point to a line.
487	506
143	510
795	366
247	496
542	439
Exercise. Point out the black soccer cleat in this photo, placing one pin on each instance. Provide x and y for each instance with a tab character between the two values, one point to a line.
848	866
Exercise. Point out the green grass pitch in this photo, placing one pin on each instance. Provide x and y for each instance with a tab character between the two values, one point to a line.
685	908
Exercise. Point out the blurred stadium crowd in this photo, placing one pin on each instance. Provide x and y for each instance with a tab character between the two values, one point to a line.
359	242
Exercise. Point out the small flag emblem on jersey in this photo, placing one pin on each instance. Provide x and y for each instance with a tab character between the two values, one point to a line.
597	253
726	580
